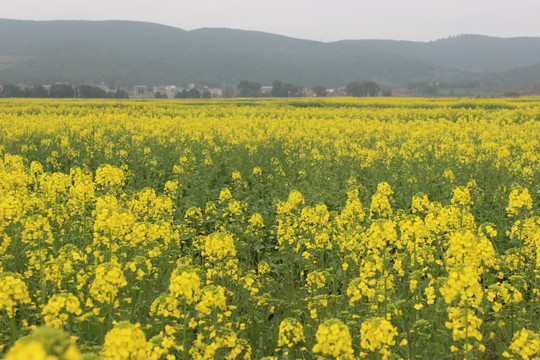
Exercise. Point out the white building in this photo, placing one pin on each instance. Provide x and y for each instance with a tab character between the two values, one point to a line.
216	92
266	90
140	92
169	90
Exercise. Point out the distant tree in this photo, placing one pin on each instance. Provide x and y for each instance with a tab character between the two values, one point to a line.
61	91
38	91
83	91
280	89
386	91
98	93
248	88
294	90
277	89
193	94
121	94
372	88
11	90
158	95
92	92
228	92
206	94
26	92
319	90
188	94
354	89
368	88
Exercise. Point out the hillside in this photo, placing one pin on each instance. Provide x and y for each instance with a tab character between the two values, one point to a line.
129	53
474	53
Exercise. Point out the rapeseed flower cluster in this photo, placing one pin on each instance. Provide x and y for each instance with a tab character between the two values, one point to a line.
108	176
185	283
14	293
218	246
224	345
519	202
334	339
377	334
59	308
45	344
381	206
109	278
126	341
525	345
212	298
291	333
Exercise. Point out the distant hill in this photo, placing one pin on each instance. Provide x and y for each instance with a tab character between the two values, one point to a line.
130	53
474	53
526	77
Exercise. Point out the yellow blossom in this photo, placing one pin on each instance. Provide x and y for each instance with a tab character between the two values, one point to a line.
126	341
334	339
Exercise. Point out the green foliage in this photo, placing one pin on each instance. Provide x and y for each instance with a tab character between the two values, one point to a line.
93	92
120	94
280	89
62	91
188	94
11	90
38	91
368	88
248	88
319	90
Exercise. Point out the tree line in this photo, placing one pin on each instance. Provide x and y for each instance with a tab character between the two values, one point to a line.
248	88
59	91
189	94
245	88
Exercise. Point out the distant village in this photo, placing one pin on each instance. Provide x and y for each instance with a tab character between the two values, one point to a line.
192	91
244	89
173	91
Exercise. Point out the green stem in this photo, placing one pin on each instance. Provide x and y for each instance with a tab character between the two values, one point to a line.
466	332
109	314
41	277
184	334
13	329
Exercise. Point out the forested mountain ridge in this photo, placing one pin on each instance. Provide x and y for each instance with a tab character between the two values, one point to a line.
130	53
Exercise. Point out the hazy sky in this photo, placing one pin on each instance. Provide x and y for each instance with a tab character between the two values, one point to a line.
323	20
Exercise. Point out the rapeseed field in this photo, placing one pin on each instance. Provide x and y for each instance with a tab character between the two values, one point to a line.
270	229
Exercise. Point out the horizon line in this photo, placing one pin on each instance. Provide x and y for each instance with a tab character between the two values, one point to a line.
270	33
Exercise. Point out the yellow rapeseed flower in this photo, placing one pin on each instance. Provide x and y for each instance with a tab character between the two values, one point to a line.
13	292
126	341
291	332
59	308
377	334
334	339
44	344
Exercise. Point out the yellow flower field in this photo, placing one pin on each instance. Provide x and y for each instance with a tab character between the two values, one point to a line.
270	229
